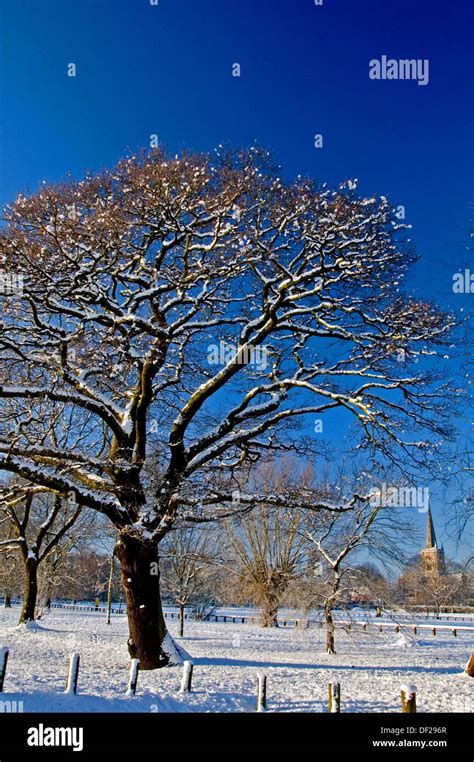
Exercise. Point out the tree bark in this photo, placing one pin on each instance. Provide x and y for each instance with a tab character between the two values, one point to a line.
270	611
31	591
329	630
7	601
141	582
109	588
181	621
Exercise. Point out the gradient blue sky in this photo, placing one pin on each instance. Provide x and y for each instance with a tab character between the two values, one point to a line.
167	69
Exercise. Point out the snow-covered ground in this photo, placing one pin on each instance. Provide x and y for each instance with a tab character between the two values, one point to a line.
370	666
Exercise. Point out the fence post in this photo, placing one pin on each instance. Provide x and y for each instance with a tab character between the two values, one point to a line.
469	668
3	665
133	679
261	693
334	697
408	699
434	630
414	631
72	673
187	677
454	631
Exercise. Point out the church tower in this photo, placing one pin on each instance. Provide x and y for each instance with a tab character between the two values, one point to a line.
432	557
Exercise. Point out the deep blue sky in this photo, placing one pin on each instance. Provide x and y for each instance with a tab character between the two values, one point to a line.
143	69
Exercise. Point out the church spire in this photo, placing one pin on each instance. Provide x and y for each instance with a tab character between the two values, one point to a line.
430	532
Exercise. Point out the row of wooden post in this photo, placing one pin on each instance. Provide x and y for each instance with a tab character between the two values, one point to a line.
408	692
73	674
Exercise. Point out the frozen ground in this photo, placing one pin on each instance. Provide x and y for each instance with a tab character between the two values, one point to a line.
369	666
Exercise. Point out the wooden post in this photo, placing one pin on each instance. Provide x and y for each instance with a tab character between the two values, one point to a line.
455	632
414	631
434	630
3	665
397	628
187	677
133	679
261	693
334	697
72	673
469	668
409	699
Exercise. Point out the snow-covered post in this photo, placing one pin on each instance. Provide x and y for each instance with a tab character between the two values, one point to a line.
133	679
3	665
469	667
334	697
72	673
187	677
409	698
261	693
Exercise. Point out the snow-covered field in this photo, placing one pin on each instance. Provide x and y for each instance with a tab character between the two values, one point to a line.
370	666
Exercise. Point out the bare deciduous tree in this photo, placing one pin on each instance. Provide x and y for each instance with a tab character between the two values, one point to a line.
337	540
132	275
39	523
189	557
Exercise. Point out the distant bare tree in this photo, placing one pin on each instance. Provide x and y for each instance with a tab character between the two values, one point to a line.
39	523
432	591
11	568
337	540
189	558
269	549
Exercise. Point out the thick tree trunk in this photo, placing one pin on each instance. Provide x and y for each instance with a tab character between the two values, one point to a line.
270	611
181	621
31	591
329	630
141	582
